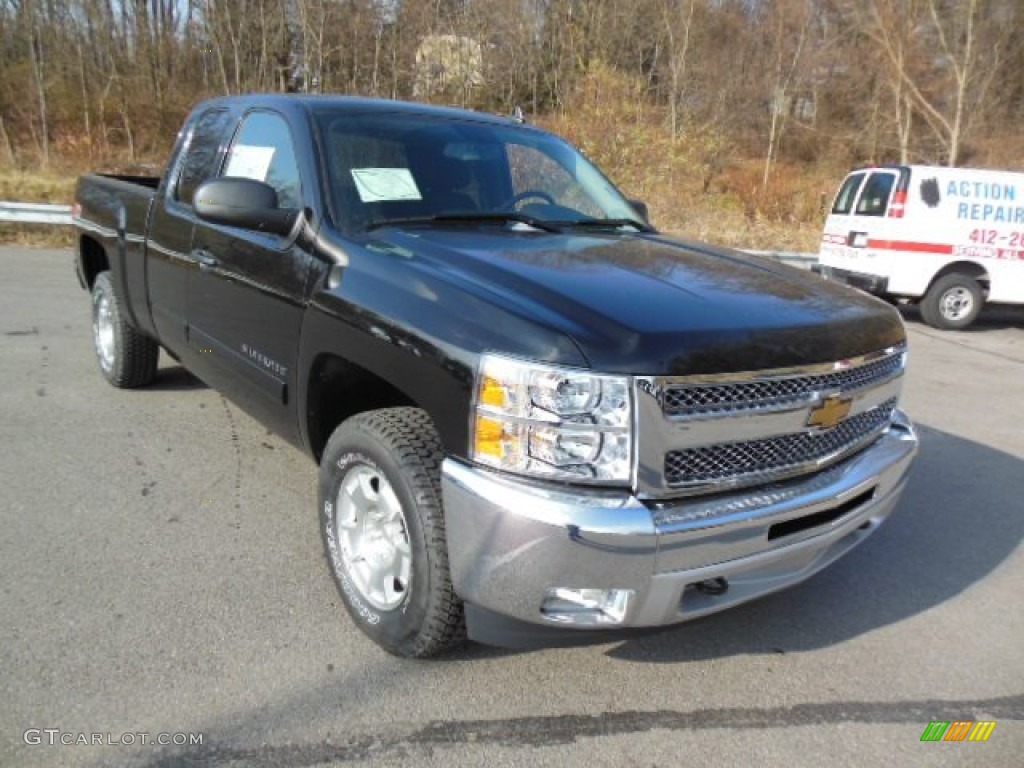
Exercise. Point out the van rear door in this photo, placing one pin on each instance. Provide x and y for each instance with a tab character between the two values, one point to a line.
867	203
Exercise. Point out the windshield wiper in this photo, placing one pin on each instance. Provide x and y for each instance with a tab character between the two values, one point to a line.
608	224
469	217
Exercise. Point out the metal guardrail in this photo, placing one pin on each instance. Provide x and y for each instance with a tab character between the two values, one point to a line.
41	213
35	213
804	260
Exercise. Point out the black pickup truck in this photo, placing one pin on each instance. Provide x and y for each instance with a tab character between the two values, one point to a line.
536	418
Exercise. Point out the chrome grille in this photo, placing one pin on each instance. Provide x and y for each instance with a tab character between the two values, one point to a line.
732	397
751	461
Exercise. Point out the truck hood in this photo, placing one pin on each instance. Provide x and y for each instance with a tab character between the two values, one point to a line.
647	304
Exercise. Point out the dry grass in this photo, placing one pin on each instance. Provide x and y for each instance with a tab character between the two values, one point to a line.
37	235
36	187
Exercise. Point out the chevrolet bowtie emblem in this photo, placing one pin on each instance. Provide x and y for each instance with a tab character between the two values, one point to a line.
829	412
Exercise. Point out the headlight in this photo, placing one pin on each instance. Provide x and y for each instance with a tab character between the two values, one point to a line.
561	423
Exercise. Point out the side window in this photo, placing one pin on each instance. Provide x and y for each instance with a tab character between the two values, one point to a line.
847	193
263	150
201	157
874	200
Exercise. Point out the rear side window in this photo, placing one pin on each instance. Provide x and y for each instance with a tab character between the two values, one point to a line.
264	151
874	200
847	193
201	159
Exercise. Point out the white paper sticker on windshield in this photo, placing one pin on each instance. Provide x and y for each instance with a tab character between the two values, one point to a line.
250	162
376	185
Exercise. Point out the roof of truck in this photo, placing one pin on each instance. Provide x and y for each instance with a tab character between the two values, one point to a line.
315	102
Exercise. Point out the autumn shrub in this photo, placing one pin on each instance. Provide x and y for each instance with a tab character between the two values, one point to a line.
791	196
695	183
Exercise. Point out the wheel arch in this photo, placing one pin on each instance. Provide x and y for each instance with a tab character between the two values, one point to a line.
969	268
92	260
338	389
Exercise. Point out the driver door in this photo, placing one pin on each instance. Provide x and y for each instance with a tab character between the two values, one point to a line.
246	301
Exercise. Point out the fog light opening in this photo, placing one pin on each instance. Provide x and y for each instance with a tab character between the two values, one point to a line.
586	607
712	587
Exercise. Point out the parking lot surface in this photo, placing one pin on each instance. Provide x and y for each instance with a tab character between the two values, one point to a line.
161	573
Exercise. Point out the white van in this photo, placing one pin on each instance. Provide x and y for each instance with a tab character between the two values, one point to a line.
951	237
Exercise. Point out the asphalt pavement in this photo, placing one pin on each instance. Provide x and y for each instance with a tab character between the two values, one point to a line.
161	573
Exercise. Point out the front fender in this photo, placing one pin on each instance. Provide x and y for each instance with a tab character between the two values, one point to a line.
421	332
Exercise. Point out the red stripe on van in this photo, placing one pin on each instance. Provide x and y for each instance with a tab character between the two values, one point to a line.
907	245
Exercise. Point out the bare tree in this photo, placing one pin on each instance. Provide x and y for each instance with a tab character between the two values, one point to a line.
747	82
942	57
789	30
678	21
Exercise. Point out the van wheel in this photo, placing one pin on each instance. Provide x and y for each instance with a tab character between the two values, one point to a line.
382	523
952	302
127	357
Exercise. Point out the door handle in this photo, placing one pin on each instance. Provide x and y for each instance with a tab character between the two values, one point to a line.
204	258
857	239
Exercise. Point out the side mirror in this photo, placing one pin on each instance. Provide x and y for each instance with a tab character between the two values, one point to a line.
244	203
641	207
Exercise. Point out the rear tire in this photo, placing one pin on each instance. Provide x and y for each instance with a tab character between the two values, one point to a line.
952	302
382	523
127	358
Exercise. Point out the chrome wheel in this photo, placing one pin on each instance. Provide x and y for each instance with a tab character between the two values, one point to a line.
373	537
103	330
956	303
382	522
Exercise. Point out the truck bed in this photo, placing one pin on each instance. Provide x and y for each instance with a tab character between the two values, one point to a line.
114	209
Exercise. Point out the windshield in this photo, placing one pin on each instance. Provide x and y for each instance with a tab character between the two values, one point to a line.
400	167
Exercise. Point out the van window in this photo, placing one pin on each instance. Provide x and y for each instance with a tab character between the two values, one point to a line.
847	193
875	198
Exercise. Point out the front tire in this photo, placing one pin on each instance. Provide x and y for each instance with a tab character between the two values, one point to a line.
952	302
382	523
127	358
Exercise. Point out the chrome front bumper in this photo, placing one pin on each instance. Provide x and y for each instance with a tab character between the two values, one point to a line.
510	541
